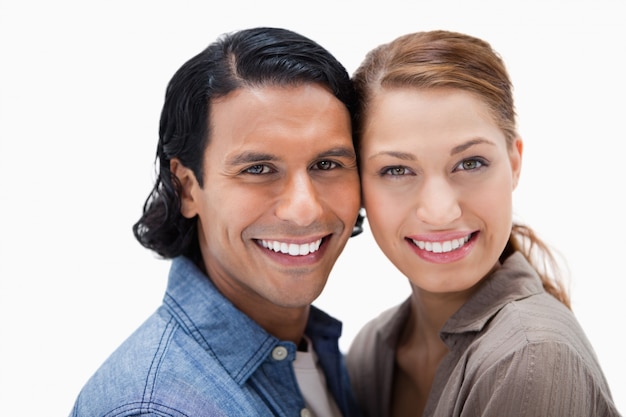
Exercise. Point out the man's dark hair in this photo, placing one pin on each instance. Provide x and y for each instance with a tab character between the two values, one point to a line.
245	59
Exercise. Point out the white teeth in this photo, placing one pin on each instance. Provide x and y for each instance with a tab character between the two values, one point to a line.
442	247
292	249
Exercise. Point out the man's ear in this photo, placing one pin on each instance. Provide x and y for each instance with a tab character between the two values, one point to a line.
516	159
188	188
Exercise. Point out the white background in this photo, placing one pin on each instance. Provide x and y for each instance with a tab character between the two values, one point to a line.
81	87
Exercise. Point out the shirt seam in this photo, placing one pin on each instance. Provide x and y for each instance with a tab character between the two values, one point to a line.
156	362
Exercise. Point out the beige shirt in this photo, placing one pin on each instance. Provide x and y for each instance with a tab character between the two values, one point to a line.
514	351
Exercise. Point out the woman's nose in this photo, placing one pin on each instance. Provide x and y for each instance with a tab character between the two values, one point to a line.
437	203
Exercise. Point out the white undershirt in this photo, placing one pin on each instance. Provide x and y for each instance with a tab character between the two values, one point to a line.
312	383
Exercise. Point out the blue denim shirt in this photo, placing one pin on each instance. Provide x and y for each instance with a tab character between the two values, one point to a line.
198	355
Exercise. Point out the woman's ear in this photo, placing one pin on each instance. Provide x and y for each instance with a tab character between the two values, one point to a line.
516	160
188	188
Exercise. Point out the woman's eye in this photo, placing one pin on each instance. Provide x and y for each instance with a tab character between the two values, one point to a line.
470	164
395	171
257	170
325	165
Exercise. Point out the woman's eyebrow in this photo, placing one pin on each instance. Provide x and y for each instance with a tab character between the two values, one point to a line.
460	148
395	154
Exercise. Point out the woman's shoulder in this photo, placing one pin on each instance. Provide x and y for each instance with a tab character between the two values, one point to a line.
535	348
370	359
540	318
538	327
382	329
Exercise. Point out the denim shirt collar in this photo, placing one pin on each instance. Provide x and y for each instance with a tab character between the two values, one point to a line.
217	325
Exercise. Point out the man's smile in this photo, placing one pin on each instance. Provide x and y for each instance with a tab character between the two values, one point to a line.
293	249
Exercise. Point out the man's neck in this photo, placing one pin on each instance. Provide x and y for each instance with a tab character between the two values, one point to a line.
284	323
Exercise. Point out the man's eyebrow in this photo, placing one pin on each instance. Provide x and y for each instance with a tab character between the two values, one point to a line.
460	148
341	152
250	157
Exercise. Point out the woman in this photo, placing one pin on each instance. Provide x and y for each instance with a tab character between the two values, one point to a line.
487	330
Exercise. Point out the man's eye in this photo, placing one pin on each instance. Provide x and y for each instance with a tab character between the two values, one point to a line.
325	165
257	169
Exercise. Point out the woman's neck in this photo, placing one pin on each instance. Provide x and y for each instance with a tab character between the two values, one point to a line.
430	312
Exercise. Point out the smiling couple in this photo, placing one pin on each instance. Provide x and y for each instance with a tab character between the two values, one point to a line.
267	151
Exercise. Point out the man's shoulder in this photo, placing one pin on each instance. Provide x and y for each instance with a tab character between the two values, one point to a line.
160	370
153	372
117	387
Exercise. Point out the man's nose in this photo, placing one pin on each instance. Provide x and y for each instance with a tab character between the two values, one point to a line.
299	201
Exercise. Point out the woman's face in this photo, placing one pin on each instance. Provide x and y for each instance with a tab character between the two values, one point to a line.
437	181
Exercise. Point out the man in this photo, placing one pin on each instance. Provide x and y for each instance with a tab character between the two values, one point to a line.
257	195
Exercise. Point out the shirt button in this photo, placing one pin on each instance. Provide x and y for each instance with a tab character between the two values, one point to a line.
305	413
279	353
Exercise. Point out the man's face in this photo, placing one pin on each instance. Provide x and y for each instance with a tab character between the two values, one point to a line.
280	196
